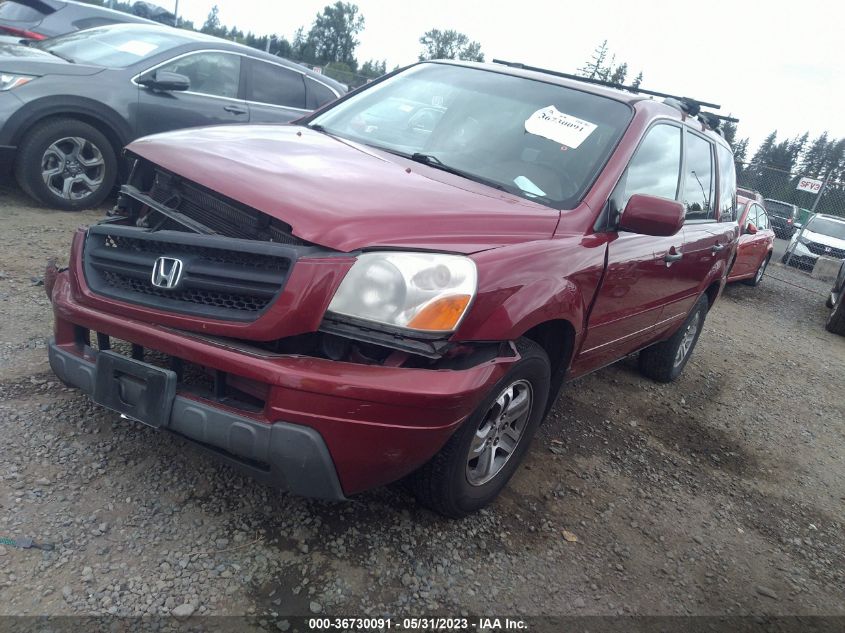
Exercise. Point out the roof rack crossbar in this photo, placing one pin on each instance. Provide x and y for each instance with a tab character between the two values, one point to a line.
694	104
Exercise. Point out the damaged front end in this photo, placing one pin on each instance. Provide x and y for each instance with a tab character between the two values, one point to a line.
244	279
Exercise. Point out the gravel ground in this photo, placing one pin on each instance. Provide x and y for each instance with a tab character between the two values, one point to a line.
720	494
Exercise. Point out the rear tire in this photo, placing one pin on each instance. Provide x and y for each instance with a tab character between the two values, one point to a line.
665	361
66	164
836	320
456	481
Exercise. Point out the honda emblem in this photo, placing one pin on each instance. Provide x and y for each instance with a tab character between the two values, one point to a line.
167	272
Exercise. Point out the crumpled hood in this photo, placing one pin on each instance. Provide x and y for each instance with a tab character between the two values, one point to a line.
17	58
343	195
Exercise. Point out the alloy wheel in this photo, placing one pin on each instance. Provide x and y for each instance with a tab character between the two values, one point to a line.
760	271
499	433
73	168
688	339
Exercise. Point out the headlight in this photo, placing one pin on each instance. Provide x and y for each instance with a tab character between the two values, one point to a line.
418	291
804	240
9	81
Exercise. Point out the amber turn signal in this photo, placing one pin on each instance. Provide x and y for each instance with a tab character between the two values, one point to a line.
441	315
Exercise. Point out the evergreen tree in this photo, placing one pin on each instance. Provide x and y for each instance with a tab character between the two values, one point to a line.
594	68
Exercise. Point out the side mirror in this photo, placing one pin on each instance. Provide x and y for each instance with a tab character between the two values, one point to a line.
650	215
165	81
751	229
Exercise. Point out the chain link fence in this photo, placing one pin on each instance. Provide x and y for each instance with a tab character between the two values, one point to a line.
779	188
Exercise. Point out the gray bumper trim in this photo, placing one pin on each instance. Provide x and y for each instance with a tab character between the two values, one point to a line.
295	456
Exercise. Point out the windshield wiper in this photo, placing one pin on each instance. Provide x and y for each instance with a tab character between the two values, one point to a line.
432	161
55	54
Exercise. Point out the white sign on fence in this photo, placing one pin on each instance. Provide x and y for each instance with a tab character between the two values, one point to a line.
809	184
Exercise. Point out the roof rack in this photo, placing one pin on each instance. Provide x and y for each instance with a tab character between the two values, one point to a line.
687	105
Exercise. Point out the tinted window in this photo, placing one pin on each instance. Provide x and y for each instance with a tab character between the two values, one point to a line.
112	46
698	183
531	138
780	209
14	12
215	74
727	185
276	85
655	167
318	94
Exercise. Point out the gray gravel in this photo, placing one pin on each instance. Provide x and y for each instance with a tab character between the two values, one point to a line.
722	493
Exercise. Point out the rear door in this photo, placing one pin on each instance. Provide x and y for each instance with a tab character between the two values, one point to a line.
276	94
213	98
640	275
710	231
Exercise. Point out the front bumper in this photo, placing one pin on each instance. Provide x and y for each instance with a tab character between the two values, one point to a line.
801	255
378	423
296	456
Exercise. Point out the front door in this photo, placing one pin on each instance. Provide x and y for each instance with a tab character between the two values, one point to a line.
641	271
212	99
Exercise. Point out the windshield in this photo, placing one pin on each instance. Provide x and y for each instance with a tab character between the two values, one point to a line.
113	47
826	226
537	140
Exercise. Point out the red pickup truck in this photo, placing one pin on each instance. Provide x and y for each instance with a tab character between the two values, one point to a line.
398	285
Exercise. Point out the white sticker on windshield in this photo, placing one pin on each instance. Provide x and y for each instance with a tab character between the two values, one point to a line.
559	127
137	47
528	186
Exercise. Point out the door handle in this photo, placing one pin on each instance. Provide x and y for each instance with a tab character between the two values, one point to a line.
717	247
234	109
672	257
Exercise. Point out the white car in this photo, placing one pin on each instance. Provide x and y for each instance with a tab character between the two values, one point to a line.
824	235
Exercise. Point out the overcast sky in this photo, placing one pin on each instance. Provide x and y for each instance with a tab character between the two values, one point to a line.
774	65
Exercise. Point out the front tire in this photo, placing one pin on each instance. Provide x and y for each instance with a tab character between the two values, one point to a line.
758	276
483	454
66	164
665	361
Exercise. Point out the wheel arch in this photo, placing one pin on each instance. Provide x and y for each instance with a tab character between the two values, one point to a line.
557	338
95	114
712	292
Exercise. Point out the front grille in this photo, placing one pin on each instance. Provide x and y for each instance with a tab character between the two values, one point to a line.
222	278
827	251
221	215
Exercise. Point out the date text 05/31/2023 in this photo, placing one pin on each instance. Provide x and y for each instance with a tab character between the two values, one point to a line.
417	624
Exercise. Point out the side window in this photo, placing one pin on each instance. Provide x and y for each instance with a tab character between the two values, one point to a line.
318	94
216	74
762	219
727	184
753	214
276	85
655	167
698	179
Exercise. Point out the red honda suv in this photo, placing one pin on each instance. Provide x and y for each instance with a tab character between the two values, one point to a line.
398	285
